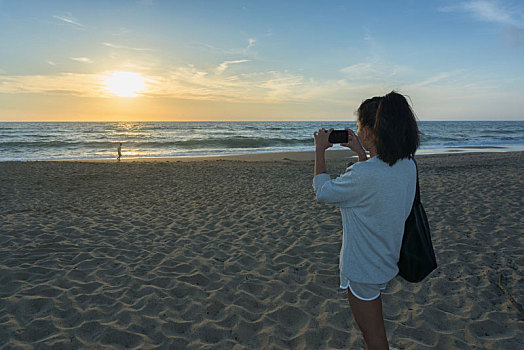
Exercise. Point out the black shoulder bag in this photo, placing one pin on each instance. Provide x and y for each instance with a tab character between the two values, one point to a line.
417	258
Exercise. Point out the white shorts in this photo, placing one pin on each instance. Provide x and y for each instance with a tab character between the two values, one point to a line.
363	291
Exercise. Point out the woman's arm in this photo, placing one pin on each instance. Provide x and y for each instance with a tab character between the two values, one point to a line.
342	191
321	145
320	162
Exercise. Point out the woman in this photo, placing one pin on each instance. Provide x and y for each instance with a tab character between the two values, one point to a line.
375	196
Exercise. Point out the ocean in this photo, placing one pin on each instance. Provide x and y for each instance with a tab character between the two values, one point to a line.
24	141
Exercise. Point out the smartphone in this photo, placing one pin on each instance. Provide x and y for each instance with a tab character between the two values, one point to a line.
338	136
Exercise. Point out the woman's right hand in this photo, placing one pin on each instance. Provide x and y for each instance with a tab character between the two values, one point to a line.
354	144
322	139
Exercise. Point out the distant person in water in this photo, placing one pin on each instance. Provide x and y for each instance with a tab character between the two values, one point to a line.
119	150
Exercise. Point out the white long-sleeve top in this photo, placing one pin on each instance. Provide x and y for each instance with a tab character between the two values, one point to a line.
375	200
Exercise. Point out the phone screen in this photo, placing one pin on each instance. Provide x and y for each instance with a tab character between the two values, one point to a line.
338	136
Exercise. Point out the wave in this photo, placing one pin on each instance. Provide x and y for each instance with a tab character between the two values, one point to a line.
233	142
243	142
56	144
491	132
430	138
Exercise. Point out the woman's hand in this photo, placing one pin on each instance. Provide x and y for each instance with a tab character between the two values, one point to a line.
322	139
321	145
355	145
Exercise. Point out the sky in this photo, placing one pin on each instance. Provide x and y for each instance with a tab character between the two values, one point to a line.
159	60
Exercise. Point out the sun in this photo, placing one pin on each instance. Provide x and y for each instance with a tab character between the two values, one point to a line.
125	84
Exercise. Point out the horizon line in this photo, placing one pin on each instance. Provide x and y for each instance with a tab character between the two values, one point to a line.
241	121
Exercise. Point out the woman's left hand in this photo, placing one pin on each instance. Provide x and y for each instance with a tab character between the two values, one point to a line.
353	142
322	139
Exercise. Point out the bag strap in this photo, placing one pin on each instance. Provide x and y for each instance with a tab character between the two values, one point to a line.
417	192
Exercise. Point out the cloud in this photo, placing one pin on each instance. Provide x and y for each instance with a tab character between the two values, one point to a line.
244	50
360	70
372	71
51	63
224	65
510	17
87	85
430	81
490	11
271	87
263	87
193	83
456	94
514	36
460	81
81	59
122	31
114	46
70	20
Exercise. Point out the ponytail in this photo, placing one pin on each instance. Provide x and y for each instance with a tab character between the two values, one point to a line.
395	129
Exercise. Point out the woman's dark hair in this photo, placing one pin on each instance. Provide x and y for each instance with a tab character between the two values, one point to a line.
395	129
368	111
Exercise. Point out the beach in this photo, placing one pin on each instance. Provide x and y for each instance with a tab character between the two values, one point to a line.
235	253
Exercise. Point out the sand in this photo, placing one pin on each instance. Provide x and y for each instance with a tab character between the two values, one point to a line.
235	254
